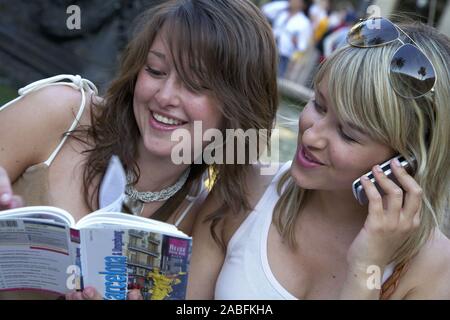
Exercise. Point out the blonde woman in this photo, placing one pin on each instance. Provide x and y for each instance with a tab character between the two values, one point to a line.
385	93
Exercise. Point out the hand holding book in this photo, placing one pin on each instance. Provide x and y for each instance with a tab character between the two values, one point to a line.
90	293
114	253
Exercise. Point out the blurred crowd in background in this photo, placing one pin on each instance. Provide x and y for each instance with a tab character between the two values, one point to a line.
36	43
309	31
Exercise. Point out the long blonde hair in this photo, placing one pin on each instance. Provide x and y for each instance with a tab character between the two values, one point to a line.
359	87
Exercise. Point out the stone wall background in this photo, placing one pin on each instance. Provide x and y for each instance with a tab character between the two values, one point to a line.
35	41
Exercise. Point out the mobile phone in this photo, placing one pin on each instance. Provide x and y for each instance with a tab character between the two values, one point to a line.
358	190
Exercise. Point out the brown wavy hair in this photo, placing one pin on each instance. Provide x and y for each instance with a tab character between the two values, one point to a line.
227	46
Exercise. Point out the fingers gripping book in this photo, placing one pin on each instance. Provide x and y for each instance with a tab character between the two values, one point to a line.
42	249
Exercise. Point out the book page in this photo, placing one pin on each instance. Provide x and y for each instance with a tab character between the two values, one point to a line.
34	255
40	212
117	260
117	219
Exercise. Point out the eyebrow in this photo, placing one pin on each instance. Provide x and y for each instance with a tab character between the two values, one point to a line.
347	124
158	54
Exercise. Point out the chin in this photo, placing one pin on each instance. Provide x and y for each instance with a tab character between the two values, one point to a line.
304	181
299	179
159	148
305	185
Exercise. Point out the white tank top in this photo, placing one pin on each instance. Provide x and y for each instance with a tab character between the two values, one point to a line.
246	274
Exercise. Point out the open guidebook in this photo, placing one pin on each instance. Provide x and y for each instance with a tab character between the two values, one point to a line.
42	249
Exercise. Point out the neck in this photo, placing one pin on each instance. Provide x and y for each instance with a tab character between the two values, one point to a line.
339	208
156	173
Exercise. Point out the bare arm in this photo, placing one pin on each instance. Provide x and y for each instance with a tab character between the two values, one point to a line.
30	129
207	256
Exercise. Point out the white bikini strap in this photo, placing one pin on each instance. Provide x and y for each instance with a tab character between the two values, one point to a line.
3	107
77	83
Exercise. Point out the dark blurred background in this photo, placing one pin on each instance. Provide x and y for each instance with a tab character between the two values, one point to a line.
35	41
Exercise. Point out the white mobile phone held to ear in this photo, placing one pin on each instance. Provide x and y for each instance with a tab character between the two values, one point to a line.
358	190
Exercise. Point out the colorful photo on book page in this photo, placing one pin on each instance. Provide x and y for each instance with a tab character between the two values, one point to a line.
116	261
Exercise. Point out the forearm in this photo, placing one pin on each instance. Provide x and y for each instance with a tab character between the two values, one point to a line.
362	283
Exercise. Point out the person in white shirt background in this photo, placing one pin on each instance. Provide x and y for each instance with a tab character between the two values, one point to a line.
291	27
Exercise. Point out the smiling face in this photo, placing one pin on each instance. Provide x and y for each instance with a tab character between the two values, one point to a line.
162	103
344	152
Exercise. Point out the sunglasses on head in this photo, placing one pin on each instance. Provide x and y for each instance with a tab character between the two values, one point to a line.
411	73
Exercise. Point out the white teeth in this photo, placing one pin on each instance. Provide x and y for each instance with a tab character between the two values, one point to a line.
165	120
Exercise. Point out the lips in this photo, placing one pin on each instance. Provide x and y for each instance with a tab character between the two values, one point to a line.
306	160
309	156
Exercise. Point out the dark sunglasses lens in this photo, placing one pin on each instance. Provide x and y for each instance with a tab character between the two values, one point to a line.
372	32
412	74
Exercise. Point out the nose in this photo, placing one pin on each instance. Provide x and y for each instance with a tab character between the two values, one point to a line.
314	136
168	93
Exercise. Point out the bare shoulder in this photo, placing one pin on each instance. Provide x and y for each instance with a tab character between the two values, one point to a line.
52	106
257	182
32	127
56	105
429	274
208	255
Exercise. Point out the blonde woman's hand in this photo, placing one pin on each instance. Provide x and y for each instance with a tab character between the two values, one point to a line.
391	218
7	199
